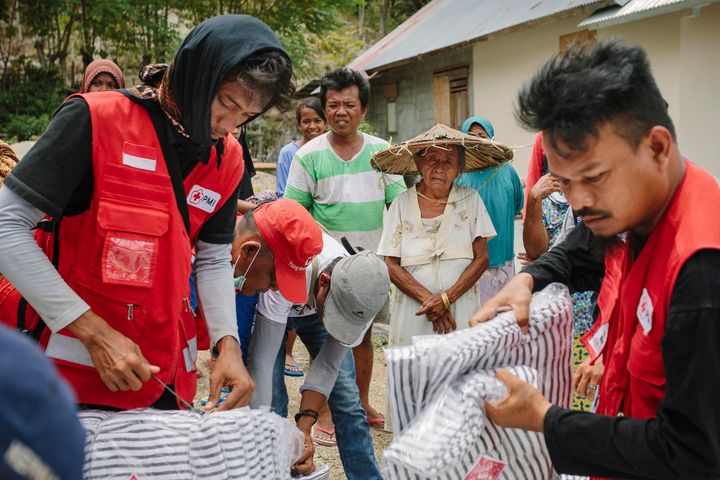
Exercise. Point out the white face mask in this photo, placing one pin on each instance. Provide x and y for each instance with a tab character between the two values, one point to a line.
240	281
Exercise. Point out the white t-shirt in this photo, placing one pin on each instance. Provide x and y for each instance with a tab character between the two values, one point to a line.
273	306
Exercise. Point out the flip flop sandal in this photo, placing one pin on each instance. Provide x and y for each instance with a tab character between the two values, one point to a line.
293	370
325	442
378	423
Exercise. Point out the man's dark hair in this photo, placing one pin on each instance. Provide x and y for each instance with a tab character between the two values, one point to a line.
312	103
574	92
342	78
269	74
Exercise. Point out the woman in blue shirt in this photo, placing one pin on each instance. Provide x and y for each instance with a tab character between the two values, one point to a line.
501	191
311	122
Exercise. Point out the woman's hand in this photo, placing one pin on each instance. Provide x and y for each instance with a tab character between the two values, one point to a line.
546	185
444	324
433	307
525	259
587	378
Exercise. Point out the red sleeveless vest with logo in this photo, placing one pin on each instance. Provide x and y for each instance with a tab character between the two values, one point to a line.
128	256
635	298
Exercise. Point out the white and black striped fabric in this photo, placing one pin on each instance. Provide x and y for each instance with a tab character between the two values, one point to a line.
147	443
438	384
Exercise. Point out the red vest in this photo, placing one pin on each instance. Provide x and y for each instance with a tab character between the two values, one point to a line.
128	256
635	297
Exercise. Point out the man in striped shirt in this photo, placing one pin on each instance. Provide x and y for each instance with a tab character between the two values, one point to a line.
332	177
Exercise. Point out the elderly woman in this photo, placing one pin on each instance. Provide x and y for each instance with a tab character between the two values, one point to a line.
435	242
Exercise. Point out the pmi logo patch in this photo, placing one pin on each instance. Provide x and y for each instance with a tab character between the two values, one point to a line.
203	198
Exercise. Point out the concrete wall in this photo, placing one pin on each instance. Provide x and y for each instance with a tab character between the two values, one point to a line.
415	96
684	51
502	65
699	82
684	54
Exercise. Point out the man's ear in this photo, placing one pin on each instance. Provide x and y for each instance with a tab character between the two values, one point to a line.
249	248
660	142
365	110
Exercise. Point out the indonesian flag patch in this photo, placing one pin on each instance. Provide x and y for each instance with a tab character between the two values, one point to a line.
140	157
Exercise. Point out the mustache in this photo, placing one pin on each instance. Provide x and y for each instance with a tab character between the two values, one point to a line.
588	212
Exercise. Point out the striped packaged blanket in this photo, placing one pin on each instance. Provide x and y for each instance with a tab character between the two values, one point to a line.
437	387
146	443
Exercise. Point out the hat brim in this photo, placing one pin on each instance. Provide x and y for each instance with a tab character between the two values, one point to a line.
336	325
291	283
480	153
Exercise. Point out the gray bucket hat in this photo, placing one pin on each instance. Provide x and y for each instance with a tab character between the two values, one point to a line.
359	288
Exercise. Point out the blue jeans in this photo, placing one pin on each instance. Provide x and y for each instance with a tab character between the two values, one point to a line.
351	428
245	315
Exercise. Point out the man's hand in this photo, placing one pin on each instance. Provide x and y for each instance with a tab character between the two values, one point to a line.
433	307
516	295
587	377
118	360
524	406
546	185
230	371
305	463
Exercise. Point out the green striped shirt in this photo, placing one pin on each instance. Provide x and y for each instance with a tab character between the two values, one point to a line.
347	197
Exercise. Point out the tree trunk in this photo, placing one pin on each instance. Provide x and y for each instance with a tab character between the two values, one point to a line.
384	16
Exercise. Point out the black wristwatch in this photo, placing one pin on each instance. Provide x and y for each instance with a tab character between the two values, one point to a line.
307	413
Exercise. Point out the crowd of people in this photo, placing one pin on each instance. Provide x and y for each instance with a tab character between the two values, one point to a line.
130	241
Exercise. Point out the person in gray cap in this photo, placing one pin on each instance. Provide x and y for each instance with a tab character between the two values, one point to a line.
345	293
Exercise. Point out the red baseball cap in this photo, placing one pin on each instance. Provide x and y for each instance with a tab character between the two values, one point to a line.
294	239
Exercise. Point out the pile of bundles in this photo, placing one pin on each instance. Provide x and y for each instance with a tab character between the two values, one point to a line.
147	443
438	386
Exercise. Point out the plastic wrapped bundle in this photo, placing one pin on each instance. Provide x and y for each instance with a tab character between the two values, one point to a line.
147	443
435	368
451	438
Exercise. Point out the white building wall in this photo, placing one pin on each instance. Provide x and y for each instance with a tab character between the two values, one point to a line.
699	84
684	52
501	66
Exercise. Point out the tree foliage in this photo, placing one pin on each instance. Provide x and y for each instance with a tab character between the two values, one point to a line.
46	44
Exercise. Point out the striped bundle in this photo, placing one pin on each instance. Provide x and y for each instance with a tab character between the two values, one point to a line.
146	443
438	385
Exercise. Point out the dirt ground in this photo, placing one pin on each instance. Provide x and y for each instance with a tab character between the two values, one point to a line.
324	455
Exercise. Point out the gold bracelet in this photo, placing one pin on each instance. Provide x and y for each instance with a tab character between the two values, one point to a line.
446	300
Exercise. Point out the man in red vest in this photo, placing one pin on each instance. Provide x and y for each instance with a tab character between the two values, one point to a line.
649	225
130	182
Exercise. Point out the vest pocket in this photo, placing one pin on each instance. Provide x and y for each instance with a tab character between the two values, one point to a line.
131	243
645	361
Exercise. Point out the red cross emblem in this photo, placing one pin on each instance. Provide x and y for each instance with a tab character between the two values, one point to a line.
196	196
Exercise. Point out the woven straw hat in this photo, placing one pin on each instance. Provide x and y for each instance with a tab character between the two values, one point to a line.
480	153
7	160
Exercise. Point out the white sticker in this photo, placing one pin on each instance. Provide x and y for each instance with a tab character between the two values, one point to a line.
598	339
645	311
203	198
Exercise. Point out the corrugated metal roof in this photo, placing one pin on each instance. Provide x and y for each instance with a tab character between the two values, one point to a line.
636	10
444	23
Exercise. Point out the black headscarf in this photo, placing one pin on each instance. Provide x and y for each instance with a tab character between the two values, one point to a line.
205	58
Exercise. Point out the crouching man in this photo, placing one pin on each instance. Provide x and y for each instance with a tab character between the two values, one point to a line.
334	304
